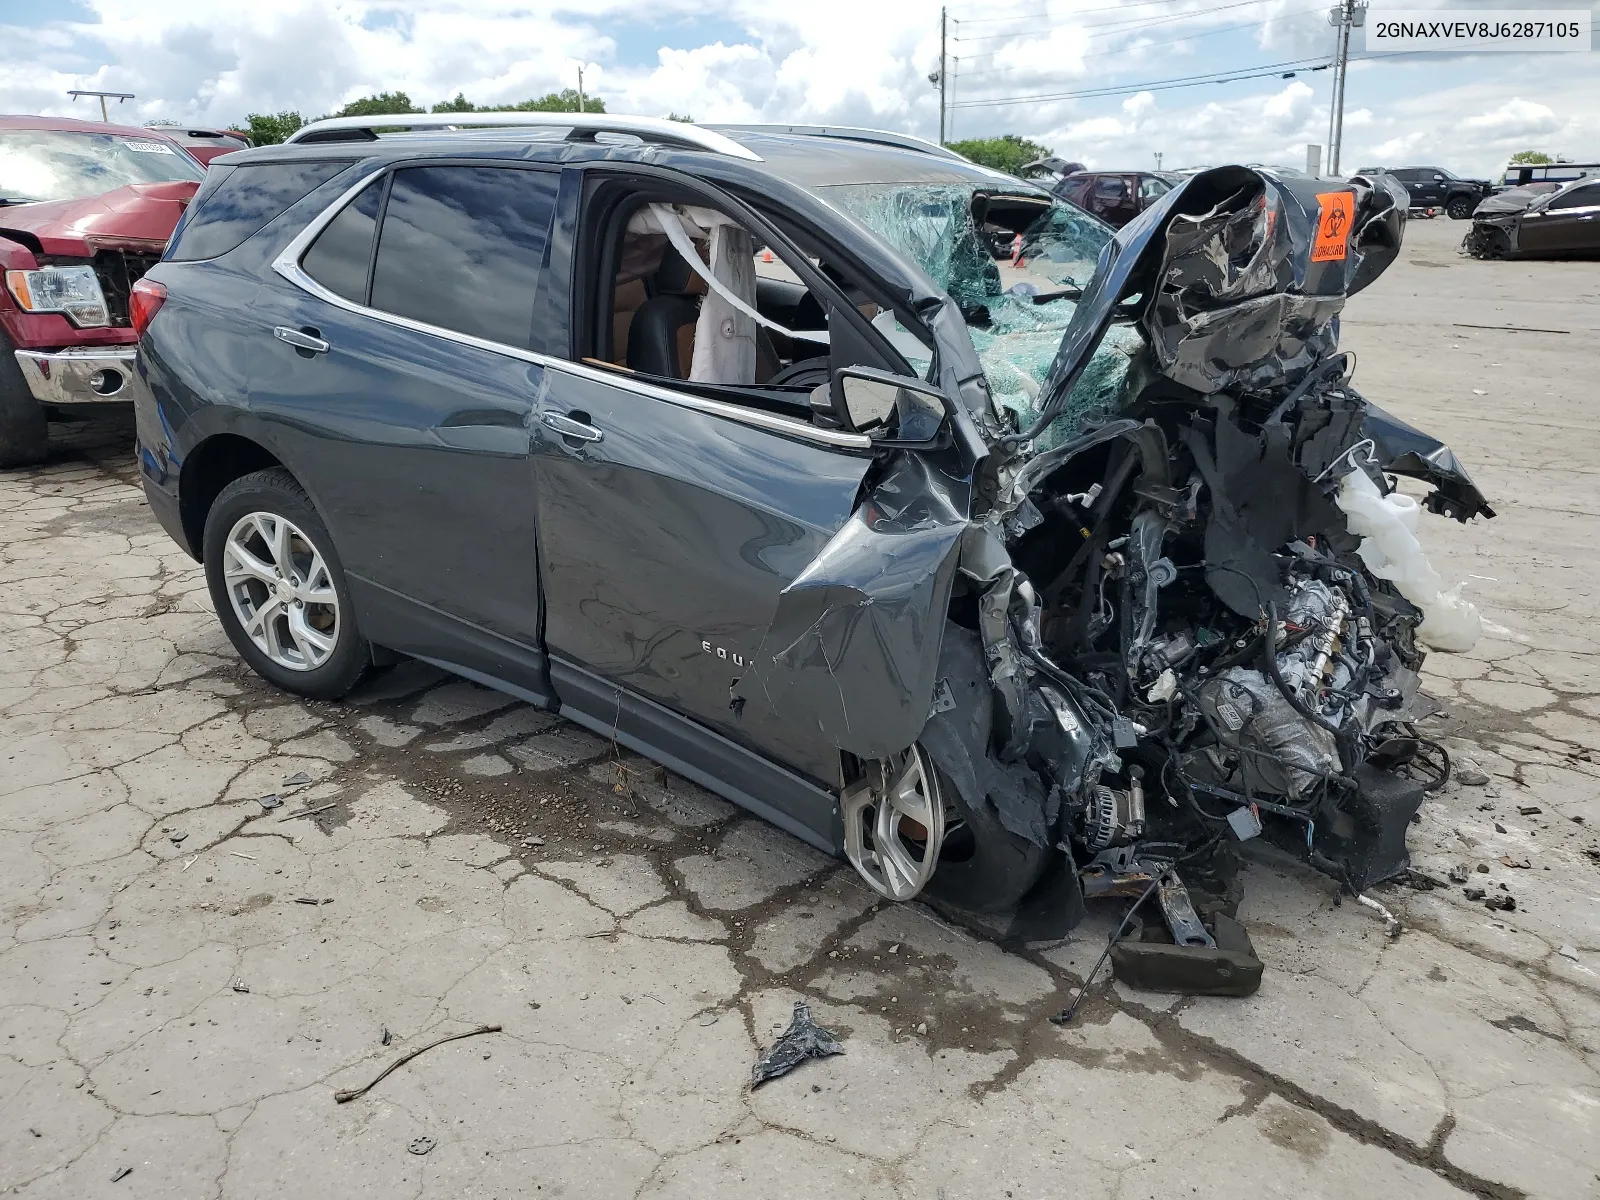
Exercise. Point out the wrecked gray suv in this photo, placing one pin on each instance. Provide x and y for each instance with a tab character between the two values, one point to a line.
1016	582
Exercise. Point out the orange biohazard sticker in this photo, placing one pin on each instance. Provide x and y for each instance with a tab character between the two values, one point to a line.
1334	213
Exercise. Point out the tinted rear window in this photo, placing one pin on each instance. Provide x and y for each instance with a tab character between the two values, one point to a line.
246	200
340	256
461	248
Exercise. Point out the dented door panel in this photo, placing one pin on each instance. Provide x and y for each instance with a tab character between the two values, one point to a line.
665	543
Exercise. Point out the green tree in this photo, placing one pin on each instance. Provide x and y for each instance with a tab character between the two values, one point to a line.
1006	153
684	117
566	100
1532	158
268	129
373	106
459	104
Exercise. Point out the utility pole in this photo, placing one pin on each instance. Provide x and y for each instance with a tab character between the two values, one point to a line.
1345	16
955	78
580	90
104	115
942	25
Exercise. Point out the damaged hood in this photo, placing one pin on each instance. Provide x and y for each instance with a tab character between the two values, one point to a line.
1236	278
138	216
1514	200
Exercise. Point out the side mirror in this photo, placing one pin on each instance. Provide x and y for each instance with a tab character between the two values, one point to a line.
893	410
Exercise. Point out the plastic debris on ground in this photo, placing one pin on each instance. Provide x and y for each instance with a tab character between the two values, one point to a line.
804	1039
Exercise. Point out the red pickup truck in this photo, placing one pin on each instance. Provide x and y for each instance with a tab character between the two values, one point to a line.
85	210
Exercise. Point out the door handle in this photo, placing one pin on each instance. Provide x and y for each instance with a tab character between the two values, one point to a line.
568	428
300	340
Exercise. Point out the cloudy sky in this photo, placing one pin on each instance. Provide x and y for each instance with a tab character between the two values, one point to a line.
835	61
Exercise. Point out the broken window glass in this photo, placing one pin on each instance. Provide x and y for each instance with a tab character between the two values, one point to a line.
1015	269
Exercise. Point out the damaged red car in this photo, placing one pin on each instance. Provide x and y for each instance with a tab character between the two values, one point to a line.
85	210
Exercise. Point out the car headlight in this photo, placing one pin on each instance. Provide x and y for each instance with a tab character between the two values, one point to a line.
71	290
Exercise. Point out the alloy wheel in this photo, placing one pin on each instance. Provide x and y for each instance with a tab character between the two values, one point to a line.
281	591
894	824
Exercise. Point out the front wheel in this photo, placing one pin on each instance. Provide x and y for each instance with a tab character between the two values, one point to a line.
278	587
23	431
1460	207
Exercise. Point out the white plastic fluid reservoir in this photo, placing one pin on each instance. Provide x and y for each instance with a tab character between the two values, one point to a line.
1387	526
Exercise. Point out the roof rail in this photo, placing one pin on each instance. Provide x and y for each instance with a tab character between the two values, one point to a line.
583	126
877	137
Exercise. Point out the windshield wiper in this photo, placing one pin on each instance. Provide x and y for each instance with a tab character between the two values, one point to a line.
8	200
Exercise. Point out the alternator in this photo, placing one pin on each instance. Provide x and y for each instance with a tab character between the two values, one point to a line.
1115	818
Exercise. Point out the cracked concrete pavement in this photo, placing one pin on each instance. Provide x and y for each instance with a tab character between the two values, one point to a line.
187	975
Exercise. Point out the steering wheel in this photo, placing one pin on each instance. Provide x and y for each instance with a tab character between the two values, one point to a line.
805	372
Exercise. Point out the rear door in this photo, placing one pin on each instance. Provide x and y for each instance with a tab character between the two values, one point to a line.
1571	223
394	362
1408	179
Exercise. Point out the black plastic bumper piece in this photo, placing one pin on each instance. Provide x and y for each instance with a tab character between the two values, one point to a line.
1231	969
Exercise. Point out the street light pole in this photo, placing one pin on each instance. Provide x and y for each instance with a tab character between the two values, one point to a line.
105	117
580	89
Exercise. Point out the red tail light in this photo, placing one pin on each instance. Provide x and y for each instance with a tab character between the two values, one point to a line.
144	302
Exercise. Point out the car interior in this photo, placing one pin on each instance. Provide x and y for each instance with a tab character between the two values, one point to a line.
697	302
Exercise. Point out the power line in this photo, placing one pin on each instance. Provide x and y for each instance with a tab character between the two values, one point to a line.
1161	85
1169	42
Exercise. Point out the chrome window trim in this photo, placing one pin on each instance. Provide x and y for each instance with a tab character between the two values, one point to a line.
287	264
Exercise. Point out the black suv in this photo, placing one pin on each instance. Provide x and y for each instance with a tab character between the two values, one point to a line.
738	445
1434	187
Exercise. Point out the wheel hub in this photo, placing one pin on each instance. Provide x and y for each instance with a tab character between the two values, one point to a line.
281	591
894	824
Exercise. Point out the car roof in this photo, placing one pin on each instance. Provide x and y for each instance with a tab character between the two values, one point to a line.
69	125
808	160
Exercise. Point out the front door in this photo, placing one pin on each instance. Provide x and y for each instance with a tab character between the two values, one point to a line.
396	375
1430	186
1569	224
667	531
674	509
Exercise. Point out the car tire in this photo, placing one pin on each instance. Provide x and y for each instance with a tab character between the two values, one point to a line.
984	867
303	635
1460	208
24	431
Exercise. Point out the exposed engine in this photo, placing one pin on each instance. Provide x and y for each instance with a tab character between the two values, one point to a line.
1186	603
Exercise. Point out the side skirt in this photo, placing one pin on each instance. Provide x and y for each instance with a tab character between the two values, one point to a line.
714	762
400	623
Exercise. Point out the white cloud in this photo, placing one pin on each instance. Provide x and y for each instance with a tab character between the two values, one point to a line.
835	61
1516	118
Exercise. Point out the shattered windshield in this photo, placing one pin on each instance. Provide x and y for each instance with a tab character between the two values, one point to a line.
54	164
1015	263
955	231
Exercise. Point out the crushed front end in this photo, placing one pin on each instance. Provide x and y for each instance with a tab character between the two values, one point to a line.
1160	618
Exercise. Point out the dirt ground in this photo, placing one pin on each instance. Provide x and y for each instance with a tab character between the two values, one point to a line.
187	975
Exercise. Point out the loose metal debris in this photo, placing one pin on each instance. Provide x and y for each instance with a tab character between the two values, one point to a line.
347	1094
802	1040
1159	593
